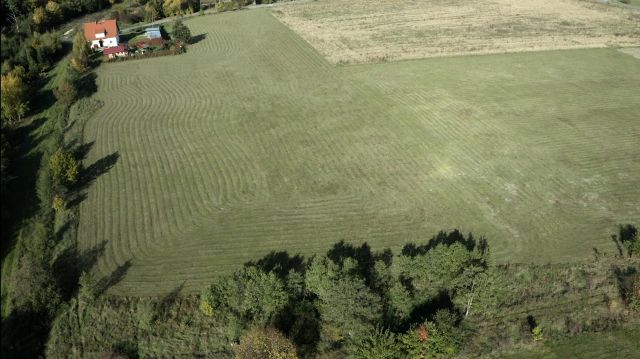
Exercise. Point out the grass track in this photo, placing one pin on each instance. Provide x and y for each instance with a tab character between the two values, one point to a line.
252	142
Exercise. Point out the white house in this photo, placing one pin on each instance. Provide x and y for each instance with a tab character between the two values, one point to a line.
102	34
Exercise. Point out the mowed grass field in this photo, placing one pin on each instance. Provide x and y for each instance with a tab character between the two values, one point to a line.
348	31
252	142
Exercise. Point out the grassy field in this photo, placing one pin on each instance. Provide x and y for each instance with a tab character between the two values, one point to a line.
621	344
252	142
347	31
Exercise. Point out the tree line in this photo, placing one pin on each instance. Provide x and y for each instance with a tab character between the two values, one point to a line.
439	299
424	302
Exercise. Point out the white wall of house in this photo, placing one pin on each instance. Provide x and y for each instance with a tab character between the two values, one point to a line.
106	42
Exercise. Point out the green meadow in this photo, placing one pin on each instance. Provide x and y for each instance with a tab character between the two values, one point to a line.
251	142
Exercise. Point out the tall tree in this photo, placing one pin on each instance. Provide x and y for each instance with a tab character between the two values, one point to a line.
153	10
81	53
181	32
348	308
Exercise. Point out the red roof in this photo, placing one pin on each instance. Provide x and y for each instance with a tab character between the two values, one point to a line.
108	27
114	50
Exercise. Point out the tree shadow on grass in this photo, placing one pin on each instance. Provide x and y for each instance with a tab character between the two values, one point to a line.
115	277
281	263
626	234
86	85
75	198
80	151
45	99
165	303
197	38
19	195
98	168
444	238
70	264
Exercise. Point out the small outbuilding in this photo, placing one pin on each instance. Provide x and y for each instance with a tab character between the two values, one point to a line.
153	32
118	51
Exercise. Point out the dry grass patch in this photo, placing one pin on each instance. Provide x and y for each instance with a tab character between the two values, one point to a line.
348	31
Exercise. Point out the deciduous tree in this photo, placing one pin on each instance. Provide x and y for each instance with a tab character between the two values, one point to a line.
153	10
81	53
348	308
178	7
64	167
13	88
250	295
39	17
66	91
54	10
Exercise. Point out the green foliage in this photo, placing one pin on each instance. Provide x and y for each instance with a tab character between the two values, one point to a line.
33	285
249	295
377	343
45	48
66	92
449	263
88	330
89	289
438	339
206	302
179	7
227	5
153	10
348	308
181	32
64	167
265	343
337	312
537	334
58	203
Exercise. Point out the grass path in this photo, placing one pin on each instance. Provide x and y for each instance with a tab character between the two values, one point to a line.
252	142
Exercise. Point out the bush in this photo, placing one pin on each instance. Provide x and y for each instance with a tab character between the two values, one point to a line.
66	92
537	334
88	287
206	303
64	168
227	5
58	203
249	295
